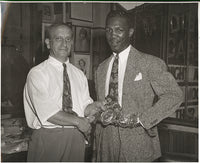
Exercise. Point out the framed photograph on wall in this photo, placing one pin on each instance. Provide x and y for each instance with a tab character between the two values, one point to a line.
47	12
82	39
44	34
83	63
82	11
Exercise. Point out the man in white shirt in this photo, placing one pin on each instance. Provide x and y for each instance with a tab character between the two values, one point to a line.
129	126
57	135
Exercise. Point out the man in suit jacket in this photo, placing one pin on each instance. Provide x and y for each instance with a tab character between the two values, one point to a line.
141	77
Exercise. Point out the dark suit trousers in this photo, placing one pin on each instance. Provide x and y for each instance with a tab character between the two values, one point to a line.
56	145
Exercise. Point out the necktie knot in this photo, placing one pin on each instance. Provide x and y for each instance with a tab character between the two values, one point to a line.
64	65
117	56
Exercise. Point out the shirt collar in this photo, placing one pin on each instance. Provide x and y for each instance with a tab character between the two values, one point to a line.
56	62
123	54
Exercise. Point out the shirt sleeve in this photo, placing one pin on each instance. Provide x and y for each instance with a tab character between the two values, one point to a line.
41	102
86	94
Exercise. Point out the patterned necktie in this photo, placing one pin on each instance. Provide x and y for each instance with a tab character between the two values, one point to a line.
67	99
113	85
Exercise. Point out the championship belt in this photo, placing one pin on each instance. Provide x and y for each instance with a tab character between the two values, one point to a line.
114	116
112	113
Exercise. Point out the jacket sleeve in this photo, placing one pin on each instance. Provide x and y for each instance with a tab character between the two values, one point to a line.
169	94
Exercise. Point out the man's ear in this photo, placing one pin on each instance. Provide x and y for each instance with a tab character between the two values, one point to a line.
47	41
131	31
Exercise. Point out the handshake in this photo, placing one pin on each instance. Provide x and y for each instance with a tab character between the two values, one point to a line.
109	112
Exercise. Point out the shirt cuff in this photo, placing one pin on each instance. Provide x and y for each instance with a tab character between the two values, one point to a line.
138	121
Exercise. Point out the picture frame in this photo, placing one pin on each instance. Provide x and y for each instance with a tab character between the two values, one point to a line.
47	12
82	11
83	63
82	39
44	34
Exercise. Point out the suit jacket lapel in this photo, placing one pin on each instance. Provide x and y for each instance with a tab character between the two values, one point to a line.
132	69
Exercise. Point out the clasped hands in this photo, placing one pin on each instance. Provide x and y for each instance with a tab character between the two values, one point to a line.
109	112
84	123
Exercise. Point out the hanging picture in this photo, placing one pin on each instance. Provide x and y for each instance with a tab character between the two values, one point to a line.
82	39
83	63
176	40
81	11
44	35
47	12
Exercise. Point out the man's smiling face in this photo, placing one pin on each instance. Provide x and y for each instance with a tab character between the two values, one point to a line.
118	33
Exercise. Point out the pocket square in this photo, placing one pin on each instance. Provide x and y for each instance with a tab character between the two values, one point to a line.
138	76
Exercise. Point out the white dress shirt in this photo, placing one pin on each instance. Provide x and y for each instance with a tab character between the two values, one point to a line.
123	56
44	88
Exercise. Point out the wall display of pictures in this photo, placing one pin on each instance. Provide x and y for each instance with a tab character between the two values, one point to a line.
82	39
82	11
182	56
83	63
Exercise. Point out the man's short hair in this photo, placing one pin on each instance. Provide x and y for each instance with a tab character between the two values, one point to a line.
122	14
54	26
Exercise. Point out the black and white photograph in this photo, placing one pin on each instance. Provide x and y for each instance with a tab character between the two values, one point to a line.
47	12
94	81
83	63
44	34
82	39
82	11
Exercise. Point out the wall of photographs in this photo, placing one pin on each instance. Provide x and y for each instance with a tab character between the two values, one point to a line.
182	56
170	31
